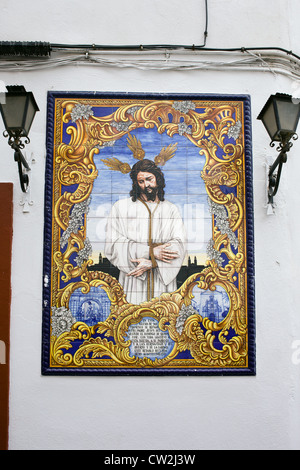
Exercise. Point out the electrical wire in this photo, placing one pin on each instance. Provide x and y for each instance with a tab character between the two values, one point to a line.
36	50
168	47
276	63
28	56
40	55
141	47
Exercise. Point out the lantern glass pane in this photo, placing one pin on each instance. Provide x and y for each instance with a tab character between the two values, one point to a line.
29	116
13	111
269	120
288	116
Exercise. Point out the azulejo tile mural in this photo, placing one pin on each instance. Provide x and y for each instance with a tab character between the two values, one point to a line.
148	252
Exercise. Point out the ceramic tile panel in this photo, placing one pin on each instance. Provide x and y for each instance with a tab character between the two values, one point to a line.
149	250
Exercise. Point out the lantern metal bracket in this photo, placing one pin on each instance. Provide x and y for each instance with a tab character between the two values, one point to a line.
14	141
274	178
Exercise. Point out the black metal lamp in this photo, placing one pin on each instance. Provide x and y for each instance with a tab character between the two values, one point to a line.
280	116
18	111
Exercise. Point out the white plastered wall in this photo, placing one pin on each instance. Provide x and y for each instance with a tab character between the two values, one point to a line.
258	412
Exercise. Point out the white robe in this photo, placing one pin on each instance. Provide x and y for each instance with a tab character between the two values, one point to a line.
127	238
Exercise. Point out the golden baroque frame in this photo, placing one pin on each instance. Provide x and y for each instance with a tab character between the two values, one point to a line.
104	347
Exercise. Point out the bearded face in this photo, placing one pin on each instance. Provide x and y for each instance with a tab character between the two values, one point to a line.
148	181
147	185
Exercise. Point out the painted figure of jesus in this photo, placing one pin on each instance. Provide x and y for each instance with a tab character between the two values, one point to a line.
145	236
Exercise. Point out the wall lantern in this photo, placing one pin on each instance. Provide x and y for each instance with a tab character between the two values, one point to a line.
18	111
280	116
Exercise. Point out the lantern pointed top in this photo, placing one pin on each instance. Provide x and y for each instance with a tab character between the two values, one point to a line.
15	89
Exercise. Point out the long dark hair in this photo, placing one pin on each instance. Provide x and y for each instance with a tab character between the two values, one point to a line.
149	167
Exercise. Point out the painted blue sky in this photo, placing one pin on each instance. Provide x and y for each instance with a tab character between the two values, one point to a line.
184	185
182	172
